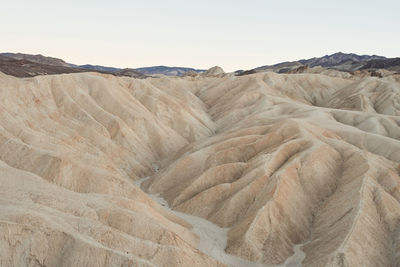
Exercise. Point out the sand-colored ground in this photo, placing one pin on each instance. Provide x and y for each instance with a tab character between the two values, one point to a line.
280	163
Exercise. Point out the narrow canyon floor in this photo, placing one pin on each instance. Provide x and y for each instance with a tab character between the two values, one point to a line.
215	170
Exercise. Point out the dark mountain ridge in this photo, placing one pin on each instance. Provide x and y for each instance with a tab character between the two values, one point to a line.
26	68
38	59
348	62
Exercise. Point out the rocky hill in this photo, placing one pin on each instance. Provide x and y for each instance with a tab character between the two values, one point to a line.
26	68
388	63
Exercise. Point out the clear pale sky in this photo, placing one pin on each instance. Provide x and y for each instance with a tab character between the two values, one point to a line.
232	34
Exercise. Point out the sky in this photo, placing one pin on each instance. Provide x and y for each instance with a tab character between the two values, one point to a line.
201	34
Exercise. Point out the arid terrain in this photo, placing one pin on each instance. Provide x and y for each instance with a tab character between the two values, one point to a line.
207	169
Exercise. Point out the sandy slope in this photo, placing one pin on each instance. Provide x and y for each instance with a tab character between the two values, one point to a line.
273	160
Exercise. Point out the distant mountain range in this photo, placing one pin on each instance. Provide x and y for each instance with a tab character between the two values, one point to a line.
338	61
169	71
148	71
98	68
26	65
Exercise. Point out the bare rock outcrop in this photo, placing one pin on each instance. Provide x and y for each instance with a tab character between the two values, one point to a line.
214	72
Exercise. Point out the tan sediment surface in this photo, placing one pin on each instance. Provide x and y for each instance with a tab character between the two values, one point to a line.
277	160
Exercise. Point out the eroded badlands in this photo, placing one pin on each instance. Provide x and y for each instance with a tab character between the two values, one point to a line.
277	160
